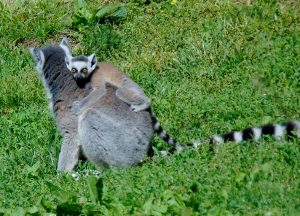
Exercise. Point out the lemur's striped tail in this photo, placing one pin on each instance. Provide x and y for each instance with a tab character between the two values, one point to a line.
175	146
291	129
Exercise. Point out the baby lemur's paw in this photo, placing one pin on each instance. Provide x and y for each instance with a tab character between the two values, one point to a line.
138	108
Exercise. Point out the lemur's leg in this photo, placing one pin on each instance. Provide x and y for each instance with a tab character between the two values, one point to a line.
69	153
135	97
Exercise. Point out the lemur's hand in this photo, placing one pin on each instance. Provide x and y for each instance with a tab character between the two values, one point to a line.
138	108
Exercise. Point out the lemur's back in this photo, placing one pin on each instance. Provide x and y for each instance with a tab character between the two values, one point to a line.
125	135
62	87
107	72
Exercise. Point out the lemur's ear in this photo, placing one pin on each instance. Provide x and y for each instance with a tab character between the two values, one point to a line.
65	46
68	61
38	56
93	60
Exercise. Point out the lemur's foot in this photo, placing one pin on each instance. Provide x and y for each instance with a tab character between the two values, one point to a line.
138	108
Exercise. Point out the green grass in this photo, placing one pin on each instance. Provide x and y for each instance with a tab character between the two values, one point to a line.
208	66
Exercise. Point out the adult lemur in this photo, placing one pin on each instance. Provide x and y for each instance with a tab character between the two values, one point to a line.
109	133
107	129
106	126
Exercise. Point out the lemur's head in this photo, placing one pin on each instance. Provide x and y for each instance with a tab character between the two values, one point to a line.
80	66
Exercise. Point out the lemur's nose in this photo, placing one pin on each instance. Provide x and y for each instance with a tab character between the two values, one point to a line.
79	76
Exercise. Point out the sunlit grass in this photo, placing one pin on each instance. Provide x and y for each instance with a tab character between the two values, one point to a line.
208	66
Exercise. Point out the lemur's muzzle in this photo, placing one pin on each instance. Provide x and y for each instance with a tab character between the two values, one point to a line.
78	77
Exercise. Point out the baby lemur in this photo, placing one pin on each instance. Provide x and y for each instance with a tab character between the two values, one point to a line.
86	68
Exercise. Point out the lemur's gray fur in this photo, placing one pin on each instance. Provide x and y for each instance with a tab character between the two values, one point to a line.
109	133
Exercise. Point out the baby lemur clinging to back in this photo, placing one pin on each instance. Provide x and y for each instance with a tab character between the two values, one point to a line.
107	132
86	68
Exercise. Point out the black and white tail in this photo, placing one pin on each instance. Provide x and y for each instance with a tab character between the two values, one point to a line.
175	146
289	129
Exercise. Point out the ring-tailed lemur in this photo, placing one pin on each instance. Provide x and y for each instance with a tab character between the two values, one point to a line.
108	132
86	69
128	91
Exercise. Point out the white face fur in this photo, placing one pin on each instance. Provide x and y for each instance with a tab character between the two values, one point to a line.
80	66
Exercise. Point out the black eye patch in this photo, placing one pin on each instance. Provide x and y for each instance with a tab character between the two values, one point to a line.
84	70
74	70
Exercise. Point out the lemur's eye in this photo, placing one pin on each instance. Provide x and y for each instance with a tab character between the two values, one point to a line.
74	70
84	70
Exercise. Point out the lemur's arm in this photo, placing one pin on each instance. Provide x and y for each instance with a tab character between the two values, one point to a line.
134	96
91	98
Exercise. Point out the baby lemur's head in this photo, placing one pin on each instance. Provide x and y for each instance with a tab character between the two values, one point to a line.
80	66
